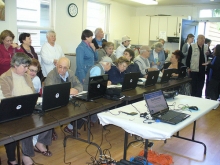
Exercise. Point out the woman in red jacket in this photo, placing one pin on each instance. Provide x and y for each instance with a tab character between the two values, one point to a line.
7	50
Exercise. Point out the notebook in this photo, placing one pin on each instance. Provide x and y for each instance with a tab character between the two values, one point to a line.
96	88
159	109
130	81
55	96
17	107
166	75
152	77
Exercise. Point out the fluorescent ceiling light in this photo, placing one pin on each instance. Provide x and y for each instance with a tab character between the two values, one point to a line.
146	2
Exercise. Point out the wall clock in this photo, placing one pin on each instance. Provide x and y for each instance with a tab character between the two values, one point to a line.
72	10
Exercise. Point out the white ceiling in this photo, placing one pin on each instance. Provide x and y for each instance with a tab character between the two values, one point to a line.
171	2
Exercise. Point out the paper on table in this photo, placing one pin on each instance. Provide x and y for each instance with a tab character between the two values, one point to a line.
113	86
80	93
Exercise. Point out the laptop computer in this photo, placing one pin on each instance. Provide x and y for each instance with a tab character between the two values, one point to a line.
159	109
166	75
130	81
152	77
55	96
181	73
96	88
17	107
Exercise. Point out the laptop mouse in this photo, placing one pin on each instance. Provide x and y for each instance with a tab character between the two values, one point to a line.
193	108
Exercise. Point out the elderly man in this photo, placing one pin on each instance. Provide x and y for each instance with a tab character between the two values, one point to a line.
50	53
62	74
99	69
142	60
196	57
98	40
125	43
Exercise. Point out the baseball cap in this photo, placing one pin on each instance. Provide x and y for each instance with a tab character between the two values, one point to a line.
125	38
106	59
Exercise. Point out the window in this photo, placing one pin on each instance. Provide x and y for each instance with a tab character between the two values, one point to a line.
209	13
98	16
34	18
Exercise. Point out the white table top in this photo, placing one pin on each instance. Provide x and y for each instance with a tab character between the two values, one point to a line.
135	125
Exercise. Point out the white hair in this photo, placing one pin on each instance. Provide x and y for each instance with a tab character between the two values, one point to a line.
50	32
97	30
158	45
144	48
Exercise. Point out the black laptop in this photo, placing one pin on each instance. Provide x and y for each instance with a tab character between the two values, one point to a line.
181	73
55	96
159	109
152	77
17	107
130	81
167	73
96	88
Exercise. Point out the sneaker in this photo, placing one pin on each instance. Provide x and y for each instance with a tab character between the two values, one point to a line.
71	131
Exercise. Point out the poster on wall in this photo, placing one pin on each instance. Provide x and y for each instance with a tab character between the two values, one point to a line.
2	10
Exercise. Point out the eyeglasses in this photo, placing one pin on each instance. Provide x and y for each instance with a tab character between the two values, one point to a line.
31	70
25	66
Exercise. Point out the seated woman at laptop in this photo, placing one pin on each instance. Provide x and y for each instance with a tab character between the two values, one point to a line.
116	73
16	82
175	62
132	67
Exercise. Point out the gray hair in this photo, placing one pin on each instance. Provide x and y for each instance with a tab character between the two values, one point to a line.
50	32
97	30
144	48
104	63
157	45
20	58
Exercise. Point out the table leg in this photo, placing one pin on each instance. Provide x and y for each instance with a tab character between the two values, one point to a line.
146	148
193	137
18	152
125	145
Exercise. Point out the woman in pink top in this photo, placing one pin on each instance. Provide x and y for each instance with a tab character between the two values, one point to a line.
7	49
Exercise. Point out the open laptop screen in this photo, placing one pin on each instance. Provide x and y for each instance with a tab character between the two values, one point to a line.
155	102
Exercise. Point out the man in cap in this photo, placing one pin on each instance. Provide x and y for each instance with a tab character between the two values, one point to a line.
125	43
99	69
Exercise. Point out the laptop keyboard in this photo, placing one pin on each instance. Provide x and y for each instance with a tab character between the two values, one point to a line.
169	115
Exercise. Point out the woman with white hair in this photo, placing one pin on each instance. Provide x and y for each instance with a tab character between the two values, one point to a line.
157	57
50	53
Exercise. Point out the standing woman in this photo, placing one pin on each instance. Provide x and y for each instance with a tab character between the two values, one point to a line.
25	40
214	75
86	55
185	48
7	50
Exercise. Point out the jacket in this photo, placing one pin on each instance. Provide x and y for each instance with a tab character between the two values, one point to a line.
102	53
142	63
115	76
185	52
133	67
6	82
161	58
192	60
120	50
96	44
85	59
54	78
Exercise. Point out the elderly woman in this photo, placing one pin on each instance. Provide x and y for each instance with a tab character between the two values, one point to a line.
86	55
157	57
107	50
116	73
186	45
7	49
50	53
16	82
175	62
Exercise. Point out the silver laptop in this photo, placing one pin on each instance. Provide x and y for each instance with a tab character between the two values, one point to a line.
159	109
17	107
55	96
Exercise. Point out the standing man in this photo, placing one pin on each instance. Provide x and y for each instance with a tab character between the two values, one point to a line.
61	74
196	57
50	53
125	43
98	40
